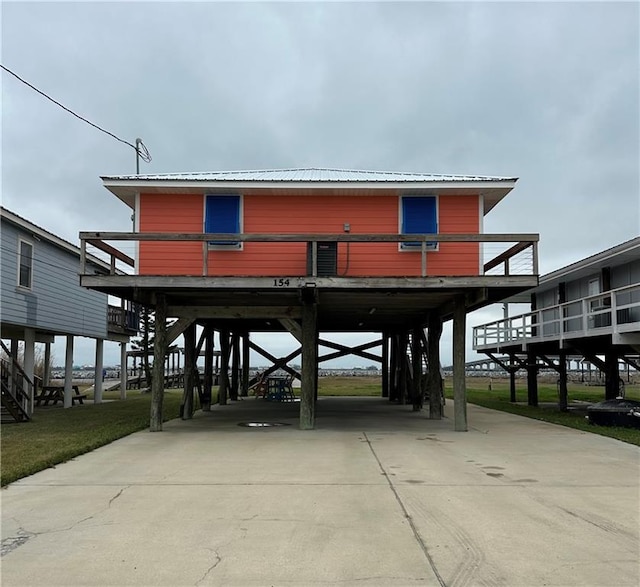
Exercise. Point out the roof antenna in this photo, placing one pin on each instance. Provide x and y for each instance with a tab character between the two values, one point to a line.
138	143
141	153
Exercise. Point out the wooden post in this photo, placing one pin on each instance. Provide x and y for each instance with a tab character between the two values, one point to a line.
235	370
385	364
98	371
309	365
393	368
159	351
611	374
224	367
512	379
189	371
459	360
245	364
208	368
403	368
416	362
68	372
46	375
532	377
434	385
123	371
563	395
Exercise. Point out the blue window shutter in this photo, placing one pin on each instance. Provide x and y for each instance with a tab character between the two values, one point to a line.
419	216
222	214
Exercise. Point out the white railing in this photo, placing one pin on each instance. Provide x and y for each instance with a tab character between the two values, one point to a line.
616	311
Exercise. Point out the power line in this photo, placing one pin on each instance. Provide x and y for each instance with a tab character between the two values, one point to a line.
141	149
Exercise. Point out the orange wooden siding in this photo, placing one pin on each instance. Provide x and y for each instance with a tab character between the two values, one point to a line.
290	214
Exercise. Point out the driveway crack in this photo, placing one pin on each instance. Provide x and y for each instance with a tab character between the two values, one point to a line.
416	534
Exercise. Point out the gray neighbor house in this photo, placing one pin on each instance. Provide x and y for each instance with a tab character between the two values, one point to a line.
589	310
41	298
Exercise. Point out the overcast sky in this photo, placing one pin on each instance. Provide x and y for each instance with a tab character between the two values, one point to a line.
544	91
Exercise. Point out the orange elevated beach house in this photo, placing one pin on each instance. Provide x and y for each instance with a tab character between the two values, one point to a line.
314	251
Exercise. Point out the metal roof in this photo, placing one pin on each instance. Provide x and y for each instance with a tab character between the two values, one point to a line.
310	174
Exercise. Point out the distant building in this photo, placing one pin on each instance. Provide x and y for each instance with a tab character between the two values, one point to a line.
41	298
590	308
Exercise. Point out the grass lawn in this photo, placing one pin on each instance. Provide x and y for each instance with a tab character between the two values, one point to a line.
55	435
497	398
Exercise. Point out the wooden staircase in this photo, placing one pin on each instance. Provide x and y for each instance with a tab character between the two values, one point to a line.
16	390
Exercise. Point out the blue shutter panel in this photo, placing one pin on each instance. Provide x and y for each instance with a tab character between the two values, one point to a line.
419	216
222	214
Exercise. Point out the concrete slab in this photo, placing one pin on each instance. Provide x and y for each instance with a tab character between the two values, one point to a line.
376	495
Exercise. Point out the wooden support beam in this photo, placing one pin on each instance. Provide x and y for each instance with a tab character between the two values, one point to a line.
190	355
345	350
385	364
459	353
416	363
159	351
225	351
611	374
277	363
434	378
293	327
245	364
208	368
532	377
309	365
402	368
563	393
233	312
393	368
177	328
235	369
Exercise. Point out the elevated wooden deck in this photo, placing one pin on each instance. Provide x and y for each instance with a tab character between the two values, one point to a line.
345	303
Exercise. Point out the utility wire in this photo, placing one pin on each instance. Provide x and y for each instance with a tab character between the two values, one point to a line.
142	151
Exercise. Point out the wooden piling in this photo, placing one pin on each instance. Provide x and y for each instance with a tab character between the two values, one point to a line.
459	376
224	367
159	351
532	377
309	365
434	378
187	406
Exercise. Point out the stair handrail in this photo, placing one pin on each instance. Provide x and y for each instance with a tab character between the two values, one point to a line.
20	388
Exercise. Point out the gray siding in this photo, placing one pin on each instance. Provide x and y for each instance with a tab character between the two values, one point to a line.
544	299
621	276
628	274
56	303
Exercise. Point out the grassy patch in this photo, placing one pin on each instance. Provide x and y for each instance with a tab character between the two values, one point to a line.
497	398
336	386
56	435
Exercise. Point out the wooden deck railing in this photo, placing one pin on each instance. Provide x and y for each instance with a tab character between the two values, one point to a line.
520	258
122	320
614	312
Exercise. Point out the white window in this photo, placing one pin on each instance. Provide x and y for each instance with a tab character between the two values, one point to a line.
25	264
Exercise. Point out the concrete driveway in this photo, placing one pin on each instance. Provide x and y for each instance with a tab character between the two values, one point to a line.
376	495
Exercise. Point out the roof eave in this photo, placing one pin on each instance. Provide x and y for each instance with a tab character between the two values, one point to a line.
127	189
